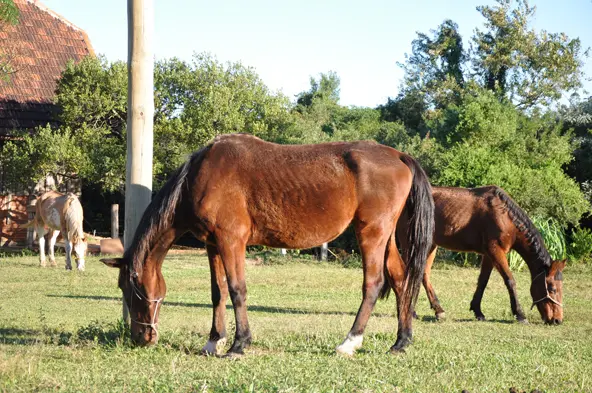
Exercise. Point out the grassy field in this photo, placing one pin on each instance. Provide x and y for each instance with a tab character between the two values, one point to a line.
59	331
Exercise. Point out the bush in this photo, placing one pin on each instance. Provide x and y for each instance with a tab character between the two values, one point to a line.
580	246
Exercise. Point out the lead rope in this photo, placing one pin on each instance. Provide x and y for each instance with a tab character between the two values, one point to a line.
546	297
153	323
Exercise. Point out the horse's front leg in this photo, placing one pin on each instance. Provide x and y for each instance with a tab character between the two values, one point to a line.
372	246
219	287
232	251
68	247
500	262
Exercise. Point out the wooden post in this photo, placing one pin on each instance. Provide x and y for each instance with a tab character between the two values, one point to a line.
115	221
140	114
324	251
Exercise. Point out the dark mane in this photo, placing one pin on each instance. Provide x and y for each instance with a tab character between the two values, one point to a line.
526	227
159	213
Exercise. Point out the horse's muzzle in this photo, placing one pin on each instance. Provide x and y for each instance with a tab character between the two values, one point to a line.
145	337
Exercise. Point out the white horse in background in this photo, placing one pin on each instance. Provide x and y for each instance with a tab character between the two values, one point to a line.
55	213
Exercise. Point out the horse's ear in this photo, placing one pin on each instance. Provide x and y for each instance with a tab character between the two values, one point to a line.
113	262
557	268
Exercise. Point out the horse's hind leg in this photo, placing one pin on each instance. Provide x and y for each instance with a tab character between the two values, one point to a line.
53	235
484	274
41	235
219	295
434	302
233	258
372	240
396	275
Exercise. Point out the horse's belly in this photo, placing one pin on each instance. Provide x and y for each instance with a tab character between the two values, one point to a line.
53	218
301	229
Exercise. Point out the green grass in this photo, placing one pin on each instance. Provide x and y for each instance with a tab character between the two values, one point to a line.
59	332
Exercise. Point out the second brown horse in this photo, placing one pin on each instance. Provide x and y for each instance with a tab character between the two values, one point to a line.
487	221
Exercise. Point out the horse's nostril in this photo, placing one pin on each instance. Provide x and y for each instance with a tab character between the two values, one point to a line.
557	321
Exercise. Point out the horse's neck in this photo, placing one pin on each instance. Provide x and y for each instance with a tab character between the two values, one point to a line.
158	249
533	259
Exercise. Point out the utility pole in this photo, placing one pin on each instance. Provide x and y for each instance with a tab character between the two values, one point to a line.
140	116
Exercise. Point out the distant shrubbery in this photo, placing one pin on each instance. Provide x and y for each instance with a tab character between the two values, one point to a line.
489	115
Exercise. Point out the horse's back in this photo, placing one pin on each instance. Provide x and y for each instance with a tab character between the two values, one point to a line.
278	193
48	211
60	211
467	219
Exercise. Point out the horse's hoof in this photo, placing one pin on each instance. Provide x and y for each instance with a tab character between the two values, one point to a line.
480	317
395	351
233	355
522	320
345	352
350	345
441	316
213	348
400	345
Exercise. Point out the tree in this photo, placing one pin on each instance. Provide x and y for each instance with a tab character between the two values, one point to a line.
497	144
194	102
436	66
507	56
28	159
9	13
527	67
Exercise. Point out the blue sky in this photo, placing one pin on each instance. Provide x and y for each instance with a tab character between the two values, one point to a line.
287	42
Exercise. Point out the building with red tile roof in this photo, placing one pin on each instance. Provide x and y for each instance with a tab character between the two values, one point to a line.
35	51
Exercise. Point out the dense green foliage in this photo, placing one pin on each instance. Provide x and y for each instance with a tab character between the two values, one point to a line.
9	13
67	338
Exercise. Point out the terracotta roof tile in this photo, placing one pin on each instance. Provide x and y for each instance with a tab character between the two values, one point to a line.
40	47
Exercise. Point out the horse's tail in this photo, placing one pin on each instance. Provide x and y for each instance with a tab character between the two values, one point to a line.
420	231
73	218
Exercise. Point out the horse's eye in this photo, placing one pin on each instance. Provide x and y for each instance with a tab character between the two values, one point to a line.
552	290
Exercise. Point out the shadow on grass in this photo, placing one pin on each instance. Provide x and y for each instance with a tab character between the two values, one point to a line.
108	335
16	336
250	307
504	321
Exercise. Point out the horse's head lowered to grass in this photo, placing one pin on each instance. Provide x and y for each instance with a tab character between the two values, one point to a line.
547	293
143	307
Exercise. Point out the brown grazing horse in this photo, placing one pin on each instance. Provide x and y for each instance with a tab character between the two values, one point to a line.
240	191
55	213
487	221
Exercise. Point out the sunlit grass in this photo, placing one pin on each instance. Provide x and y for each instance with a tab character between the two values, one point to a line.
59	331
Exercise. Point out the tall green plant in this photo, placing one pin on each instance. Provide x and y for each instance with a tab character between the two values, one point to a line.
553	236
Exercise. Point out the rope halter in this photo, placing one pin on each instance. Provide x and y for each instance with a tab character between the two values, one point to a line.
136	291
547	295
